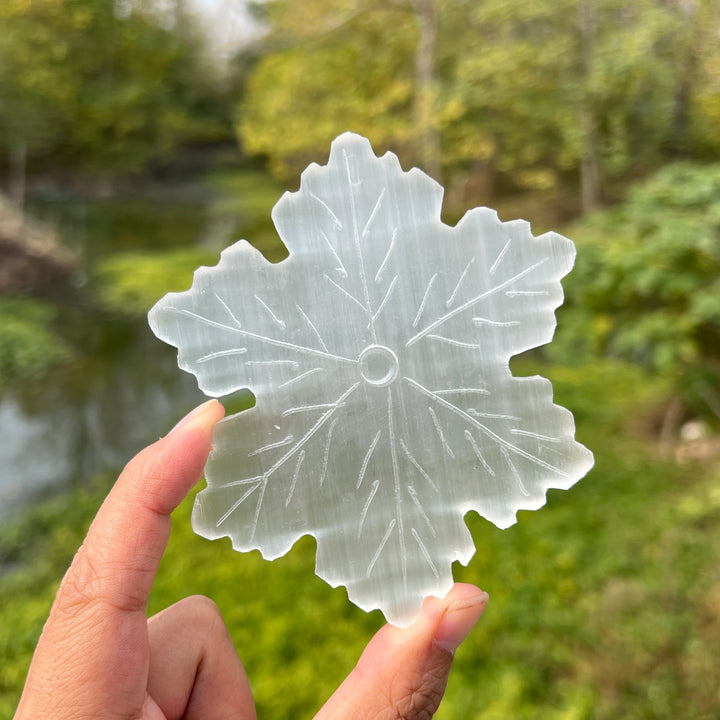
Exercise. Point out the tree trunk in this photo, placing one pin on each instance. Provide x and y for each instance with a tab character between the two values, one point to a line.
686	78
426	135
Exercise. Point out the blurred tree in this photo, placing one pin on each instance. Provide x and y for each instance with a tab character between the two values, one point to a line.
537	94
646	285
84	85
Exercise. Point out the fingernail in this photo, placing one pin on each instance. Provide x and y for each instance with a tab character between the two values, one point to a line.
459	620
193	414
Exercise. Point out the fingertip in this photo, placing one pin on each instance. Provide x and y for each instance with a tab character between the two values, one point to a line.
462	606
203	416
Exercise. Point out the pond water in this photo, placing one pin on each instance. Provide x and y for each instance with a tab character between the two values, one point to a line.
125	390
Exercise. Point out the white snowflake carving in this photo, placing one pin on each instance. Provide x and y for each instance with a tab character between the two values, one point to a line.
378	354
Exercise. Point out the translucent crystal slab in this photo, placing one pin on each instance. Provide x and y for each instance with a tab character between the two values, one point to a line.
378	354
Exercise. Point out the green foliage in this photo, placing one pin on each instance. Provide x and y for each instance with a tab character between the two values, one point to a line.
79	84
604	604
646	286
29	344
131	283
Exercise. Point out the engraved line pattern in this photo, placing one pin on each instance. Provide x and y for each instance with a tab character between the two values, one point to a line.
228	310
300	377
496	416
298	446
221	353
454	293
473	301
463	391
477	452
499	440
262	338
494	323
373	489
366	460
417	465
440	433
378	274
312	327
238	502
347	294
418	505
396	488
514	472
340	269
500	257
280	323
537	436
385	299
300	459
358	247
307	408
374	212
457	343
326	454
280	443
334	217
423	301
528	293
386	537
425	552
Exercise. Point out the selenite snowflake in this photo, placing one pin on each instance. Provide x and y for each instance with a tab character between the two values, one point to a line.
378	354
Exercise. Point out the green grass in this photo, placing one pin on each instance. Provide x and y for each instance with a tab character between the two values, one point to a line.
604	604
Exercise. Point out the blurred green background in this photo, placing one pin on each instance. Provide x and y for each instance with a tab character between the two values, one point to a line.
135	145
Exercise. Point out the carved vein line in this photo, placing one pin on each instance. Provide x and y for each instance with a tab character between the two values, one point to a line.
366	460
500	257
239	501
454	293
528	293
476	450
501	441
382	544
221	353
300	459
312	327
262	338
452	341
417	465
425	552
347	294
227	309
291	363
494	323
396	488
334	217
463	391
280	443
424	300
378	274
326	454
300	377
418	505
475	300
373	489
385	299
374	212
514	472
440	433
341	269
536	436
307	408
280	323
495	416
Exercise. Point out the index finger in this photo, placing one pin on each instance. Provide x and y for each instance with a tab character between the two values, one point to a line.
116	564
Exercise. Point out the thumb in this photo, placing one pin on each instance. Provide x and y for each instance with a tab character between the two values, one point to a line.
403	673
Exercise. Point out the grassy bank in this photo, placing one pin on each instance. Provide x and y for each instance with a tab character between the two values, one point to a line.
605	604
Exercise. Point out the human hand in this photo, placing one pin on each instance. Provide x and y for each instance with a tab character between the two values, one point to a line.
99	658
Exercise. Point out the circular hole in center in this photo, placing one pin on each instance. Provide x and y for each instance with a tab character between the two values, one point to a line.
378	365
